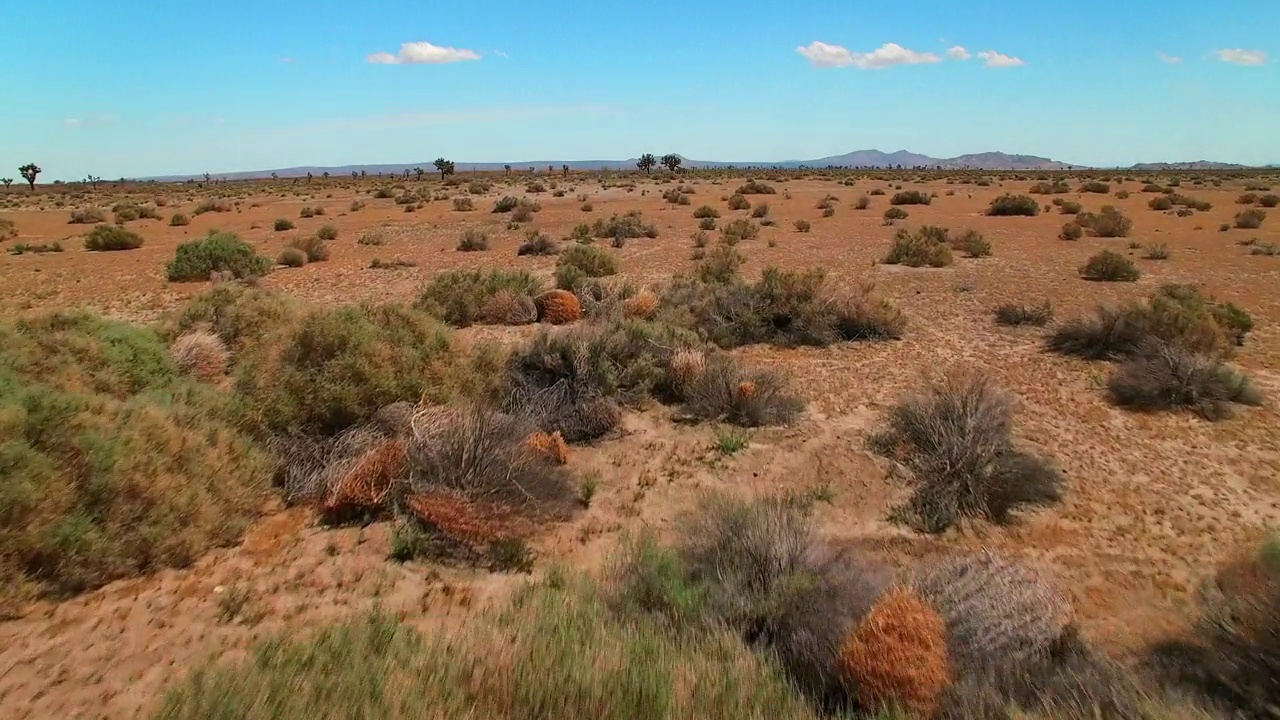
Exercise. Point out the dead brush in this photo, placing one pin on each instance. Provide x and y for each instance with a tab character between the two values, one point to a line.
509	308
200	353
1164	376
956	437
753	397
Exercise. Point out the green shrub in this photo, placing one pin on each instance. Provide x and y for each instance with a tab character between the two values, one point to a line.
630	225
739	202
283	224
129	211
114	463
737	230
112	237
179	220
458	296
910	197
292	257
1110	266
754	187
327	233
1094	186
895	213
919	249
972	243
337	366
219	251
537	243
1070	208
706	211
1008	205
581	262
707	224
1071	231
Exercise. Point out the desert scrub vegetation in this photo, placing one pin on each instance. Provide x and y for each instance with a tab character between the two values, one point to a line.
910	197
537	242
564	651
1110	266
282	224
737	230
458	297
25	248
1165	376
581	262
8	230
781	308
739	202
1070	207
955	437
473	241
87	216
333	368
1250	219
1106	223
803	226
893	213
220	252
1015	314
1095	186
630	225
1071	231
926	247
115	462
209	205
1008	205
706	211
463	204
312	247
129	211
755	187
1057	187
112	237
179	220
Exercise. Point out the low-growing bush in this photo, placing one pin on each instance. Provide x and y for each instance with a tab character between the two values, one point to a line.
1014	314
1094	186
922	248
910	197
1071	231
112	237
895	213
1070	207
802	226
1110	266
463	204
1160	203
581	262
1250	219
1007	205
1107	223
754	187
706	211
129	211
212	205
506	204
956	437
327	233
760	210
473	240
862	203
315	248
1269	200
459	296
737	230
630	225
537	243
283	224
8	230
1156	252
292	257
87	216
972	243
1164	376
726	392
739	202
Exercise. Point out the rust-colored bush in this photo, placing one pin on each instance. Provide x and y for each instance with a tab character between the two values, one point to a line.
558	307
747	390
455	516
897	656
643	305
367	482
200	353
549	445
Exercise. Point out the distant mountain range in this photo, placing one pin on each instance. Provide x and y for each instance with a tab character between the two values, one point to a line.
857	159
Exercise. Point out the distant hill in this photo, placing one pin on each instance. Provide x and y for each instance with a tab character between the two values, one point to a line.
857	159
1193	165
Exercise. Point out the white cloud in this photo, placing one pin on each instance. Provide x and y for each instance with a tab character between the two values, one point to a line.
1171	59
89	121
71	122
500	54
419	53
958	53
821	54
1241	57
999	60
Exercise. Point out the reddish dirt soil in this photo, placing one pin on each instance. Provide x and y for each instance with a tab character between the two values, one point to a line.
1154	501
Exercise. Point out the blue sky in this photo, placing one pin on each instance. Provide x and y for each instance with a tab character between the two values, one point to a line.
127	88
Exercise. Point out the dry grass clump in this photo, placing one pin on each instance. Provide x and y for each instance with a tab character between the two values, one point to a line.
8	230
956	438
537	243
1163	376
508	308
755	187
550	445
87	216
1107	223
896	657
291	257
1071	231
473	240
1250	219
459	297
200	353
314	246
641	306
1015	314
558	307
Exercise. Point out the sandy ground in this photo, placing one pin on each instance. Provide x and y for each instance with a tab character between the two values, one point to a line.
1154	501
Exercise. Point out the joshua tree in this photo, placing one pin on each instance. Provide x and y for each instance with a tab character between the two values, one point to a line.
444	166
508	169
551	169
7	182
355	175
275	176
325	175
647	162
418	173
363	173
566	170
309	176
206	178
671	161
29	173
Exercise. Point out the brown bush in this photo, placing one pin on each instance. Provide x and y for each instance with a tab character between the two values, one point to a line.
687	368
956	436
558	307
747	397
1164	376
367	482
1000	615
896	658
455	516
200	353
509	308
641	305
